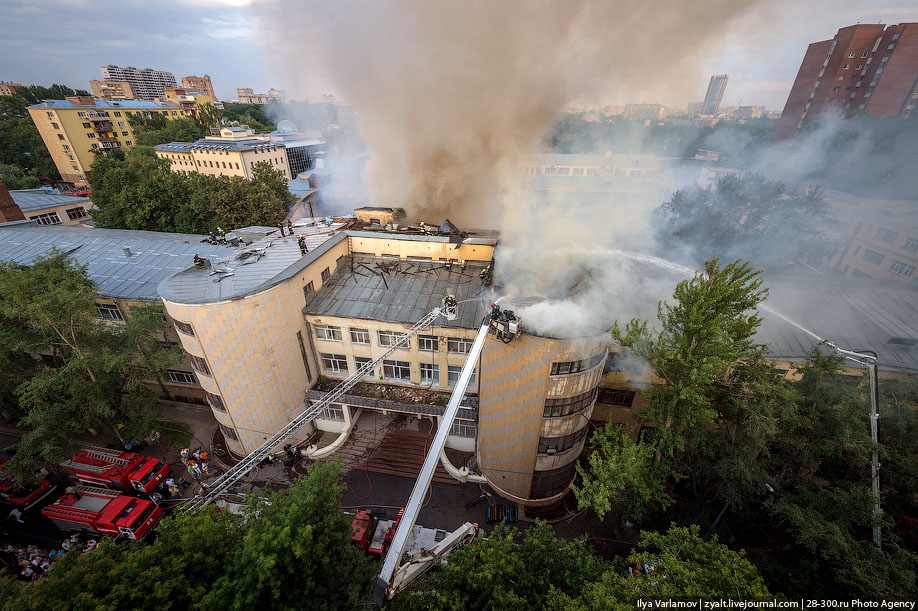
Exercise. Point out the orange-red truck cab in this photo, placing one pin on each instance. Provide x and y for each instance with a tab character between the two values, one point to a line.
23	497
125	471
104	512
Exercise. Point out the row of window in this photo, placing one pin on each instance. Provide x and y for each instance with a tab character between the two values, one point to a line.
555	445
568	367
397	371
551	482
556	408
386	339
617	396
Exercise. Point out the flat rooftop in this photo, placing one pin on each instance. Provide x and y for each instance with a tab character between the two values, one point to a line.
154	256
29	200
389	289
263	263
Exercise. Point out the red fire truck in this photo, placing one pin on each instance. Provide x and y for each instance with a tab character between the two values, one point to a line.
104	512
125	471
23	498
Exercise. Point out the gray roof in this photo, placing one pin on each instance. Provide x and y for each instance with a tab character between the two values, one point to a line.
154	256
213	144
38	199
279	261
857	315
174	147
361	290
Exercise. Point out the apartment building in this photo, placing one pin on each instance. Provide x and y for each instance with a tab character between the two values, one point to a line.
73	128
8	88
112	90
714	95
147	83
50	208
232	153
201	84
865	68
187	99
248	96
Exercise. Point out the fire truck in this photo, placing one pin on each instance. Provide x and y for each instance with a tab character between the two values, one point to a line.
23	498
104	512
124	471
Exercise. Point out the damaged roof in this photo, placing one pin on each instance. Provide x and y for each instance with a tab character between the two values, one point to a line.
399	290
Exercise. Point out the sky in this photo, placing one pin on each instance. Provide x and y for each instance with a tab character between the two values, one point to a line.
66	41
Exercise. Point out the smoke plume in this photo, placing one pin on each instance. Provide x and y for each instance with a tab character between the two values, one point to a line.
449	94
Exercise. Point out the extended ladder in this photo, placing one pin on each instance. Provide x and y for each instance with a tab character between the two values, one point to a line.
105	455
223	483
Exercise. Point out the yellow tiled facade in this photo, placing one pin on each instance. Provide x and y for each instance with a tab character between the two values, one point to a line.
74	128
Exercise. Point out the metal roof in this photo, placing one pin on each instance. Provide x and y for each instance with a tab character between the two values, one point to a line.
29	200
208	144
107	104
360	289
256	267
857	315
154	256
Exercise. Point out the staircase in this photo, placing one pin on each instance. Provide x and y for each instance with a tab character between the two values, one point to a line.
398	452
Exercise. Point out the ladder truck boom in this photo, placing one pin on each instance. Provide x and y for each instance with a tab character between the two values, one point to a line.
223	483
394	577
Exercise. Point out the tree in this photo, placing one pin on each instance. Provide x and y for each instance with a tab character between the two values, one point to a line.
157	129
621	469
744	217
290	547
252	115
14	177
206	117
98	373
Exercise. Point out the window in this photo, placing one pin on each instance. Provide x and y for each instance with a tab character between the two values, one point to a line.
564	171
428	343
903	269
91	136
71	158
333	412
60	136
397	370
117	114
325	274
328	333
911	244
173	113
109	311
452	376
464	428
835	89
55	126
551	482
309	288
390	338
360	361
858	67
430	374
65	147
228	432
94	145
885	235
554	445
199	364
846	66
778	374
578	171
215	401
872	256
576	366
556	408
51	114
180	377
129	143
864	54
851	55
334	363
616	396
299	339
458	345
125	134
624	363
87	126
550	170
360	336
183	327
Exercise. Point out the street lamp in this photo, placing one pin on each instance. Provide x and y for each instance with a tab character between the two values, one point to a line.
868	358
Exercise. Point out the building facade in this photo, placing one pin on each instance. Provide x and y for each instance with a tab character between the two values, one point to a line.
644	112
8	88
146	83
865	68
714	95
248	96
200	84
112	90
50	208
232	153
73	128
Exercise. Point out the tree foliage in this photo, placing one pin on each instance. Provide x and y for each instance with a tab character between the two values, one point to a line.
139	191
157	129
289	550
253	115
744	217
94	374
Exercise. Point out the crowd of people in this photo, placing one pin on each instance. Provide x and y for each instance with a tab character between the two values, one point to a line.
34	563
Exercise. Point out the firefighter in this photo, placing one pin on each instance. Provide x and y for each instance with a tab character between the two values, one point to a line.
281	227
221	236
301	240
495	311
289	227
485	275
199	261
450	301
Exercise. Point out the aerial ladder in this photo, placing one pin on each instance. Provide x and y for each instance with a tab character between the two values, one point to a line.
394	575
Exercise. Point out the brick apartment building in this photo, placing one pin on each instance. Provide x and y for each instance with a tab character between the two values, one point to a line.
865	68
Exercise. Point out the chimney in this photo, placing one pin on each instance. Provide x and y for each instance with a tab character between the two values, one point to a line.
127	252
9	211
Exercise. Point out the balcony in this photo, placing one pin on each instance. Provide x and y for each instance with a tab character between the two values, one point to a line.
98	116
397	399
103	126
107	139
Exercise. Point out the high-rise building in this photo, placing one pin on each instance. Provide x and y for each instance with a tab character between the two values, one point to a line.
247	95
714	95
147	83
865	68
77	126
200	84
112	90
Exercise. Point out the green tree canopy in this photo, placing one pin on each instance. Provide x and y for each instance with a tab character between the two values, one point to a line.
96	375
